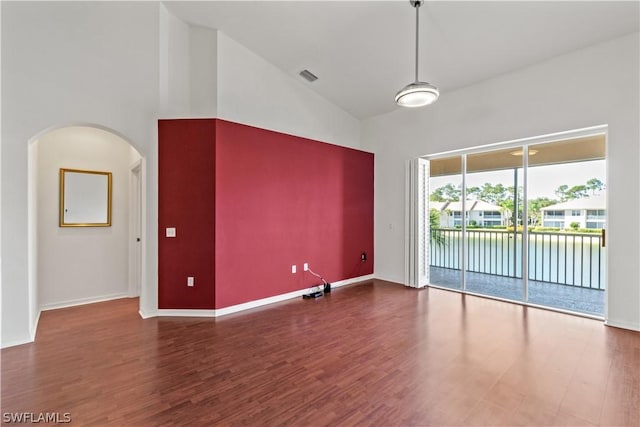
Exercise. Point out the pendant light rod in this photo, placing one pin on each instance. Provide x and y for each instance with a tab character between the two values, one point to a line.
417	5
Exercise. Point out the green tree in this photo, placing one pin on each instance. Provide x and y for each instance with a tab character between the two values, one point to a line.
473	192
447	193
535	209
435	236
595	186
507	204
561	192
565	193
493	193
577	192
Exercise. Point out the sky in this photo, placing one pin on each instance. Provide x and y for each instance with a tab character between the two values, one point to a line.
543	180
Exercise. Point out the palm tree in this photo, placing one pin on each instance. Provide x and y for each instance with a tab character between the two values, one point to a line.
436	238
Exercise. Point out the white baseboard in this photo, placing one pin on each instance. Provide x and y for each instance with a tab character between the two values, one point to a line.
31	338
34	329
27	340
352	281
186	312
260	302
83	301
386	279
250	304
622	324
284	297
146	314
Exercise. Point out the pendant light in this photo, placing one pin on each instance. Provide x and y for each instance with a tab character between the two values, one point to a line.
417	94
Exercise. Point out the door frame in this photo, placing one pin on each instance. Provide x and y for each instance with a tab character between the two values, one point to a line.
135	229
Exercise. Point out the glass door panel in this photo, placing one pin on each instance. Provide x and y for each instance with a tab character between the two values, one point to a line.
493	215
567	219
445	192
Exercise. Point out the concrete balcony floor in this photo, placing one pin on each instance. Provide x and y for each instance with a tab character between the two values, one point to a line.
570	298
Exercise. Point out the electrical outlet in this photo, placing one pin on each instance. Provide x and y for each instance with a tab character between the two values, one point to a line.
190	281
293	269
306	266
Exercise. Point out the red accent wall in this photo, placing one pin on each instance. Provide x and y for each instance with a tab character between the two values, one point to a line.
277	200
284	200
186	200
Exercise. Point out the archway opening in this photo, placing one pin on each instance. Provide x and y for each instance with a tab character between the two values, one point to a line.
78	265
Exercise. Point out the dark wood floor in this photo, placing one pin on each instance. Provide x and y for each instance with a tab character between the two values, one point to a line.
370	354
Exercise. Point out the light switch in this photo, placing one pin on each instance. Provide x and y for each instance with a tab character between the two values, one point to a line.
189	281
170	232
293	269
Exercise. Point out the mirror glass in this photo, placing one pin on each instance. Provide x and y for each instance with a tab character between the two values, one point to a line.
85	198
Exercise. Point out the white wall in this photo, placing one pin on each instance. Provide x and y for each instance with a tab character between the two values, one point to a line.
174	66
32	236
203	71
254	92
81	264
66	63
188	68
593	86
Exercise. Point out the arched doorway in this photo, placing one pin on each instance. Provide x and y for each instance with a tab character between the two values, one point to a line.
78	265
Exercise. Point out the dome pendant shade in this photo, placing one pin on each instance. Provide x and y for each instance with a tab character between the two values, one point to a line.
417	94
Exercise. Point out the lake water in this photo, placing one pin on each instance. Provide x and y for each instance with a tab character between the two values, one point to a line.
570	259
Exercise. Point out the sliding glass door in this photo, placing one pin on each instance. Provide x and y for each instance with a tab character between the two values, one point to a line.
523	223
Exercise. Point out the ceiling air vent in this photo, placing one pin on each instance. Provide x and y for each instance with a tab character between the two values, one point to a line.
308	75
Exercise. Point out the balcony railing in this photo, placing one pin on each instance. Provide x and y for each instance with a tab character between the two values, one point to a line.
574	259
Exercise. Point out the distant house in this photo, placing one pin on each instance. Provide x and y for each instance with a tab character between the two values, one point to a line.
589	212
480	212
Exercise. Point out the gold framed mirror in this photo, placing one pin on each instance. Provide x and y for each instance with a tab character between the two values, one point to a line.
85	198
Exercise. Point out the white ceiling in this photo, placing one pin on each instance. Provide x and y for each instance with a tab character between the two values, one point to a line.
363	51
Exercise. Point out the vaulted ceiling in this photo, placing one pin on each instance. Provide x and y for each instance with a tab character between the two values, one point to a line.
363	51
